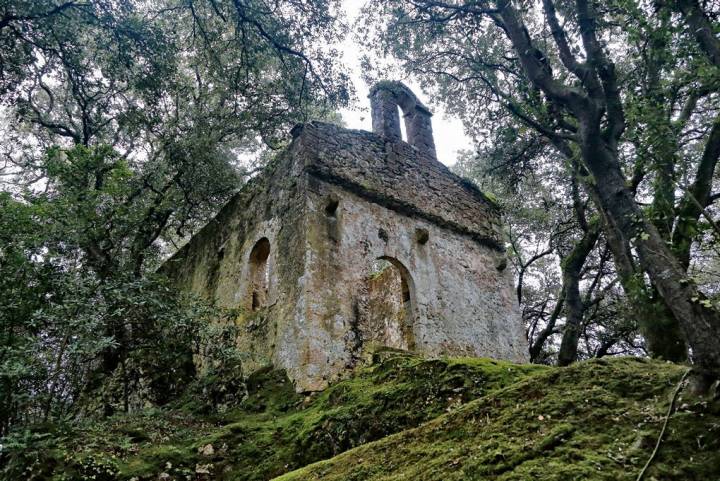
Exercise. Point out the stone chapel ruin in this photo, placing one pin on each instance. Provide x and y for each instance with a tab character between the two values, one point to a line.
351	239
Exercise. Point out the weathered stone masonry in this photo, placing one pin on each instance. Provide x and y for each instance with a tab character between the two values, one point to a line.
352	239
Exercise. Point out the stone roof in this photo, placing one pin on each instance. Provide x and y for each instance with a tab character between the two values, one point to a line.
398	176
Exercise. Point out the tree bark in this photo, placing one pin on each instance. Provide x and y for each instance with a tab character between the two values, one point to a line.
663	337
574	307
701	27
601	120
700	323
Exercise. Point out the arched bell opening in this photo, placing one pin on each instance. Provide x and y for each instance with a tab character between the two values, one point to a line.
387	100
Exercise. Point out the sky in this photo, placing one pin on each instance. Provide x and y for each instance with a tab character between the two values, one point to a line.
449	133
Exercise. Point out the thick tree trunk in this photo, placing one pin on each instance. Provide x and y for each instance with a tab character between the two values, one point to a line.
700	324
596	103
663	336
661	330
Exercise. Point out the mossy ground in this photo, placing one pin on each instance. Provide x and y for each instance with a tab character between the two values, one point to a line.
272	432
596	420
403	417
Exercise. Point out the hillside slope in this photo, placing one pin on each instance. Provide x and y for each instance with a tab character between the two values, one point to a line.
596	420
401	417
273	431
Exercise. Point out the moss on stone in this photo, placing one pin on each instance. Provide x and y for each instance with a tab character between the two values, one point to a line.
594	420
403	417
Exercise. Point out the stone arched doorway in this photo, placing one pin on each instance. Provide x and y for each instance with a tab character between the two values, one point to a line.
387	306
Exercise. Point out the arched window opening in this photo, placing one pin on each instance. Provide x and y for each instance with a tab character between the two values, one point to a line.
403	125
259	274
331	207
389	305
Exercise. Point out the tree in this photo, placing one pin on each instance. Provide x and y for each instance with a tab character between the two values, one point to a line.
556	247
129	124
570	71
180	90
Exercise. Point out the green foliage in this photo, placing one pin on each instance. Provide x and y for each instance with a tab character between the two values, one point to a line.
128	125
82	330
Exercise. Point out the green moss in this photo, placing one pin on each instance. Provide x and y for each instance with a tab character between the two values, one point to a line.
595	420
403	417
276	430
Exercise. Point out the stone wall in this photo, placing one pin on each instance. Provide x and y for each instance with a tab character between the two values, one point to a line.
398	176
331	207
216	263
460	303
